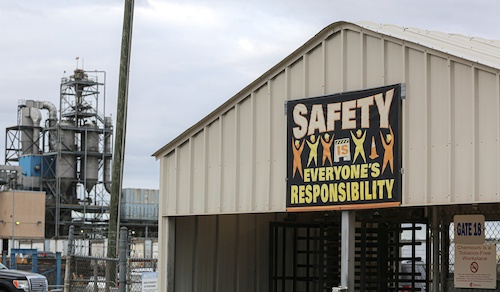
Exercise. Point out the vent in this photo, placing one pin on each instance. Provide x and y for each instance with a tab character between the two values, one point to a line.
38	283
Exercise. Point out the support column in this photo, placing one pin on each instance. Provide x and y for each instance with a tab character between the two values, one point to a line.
347	251
435	250
170	253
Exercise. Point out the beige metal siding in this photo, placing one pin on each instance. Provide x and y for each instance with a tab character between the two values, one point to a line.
295	80
439	119
228	176
198	166
352	66
222	253
315	72
234	160
487	137
415	128
245	155
373	61
393	70
278	137
462	144
213	170
184	194
262	143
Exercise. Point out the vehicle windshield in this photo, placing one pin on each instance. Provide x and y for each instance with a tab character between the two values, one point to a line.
2	267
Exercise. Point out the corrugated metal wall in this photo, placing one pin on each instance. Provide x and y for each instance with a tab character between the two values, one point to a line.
139	204
222	253
235	163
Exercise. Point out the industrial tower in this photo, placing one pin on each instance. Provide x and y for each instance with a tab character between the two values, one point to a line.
67	154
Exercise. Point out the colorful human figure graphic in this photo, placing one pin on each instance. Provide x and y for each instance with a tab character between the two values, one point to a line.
297	148
313	153
388	144
359	140
326	142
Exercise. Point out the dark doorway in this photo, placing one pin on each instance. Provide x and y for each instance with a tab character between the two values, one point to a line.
304	257
391	252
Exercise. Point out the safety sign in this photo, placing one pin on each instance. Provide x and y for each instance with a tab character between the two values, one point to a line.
475	266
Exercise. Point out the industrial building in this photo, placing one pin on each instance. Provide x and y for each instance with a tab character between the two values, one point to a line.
399	205
64	153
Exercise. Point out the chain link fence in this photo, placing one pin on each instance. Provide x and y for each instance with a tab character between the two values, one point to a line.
138	269
87	269
491	231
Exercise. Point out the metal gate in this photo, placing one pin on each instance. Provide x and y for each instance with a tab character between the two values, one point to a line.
391	252
304	257
391	255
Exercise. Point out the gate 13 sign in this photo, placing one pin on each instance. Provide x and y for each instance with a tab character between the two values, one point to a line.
344	150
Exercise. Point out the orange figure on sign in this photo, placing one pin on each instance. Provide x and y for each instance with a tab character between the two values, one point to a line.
297	152
313	154
359	140
327	144
388	144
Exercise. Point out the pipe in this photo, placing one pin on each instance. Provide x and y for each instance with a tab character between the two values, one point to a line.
52	112
107	149
36	117
47	105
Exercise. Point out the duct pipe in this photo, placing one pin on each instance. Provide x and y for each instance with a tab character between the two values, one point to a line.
47	105
107	150
27	132
36	117
52	112
52	122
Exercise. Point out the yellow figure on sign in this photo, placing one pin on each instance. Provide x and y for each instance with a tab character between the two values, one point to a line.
327	151
388	144
297	148
359	140
313	154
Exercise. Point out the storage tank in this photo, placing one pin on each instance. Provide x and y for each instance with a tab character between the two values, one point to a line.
90	161
66	163
30	120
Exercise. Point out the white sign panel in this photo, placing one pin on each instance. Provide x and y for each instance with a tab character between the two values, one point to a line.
149	281
475	266
469	228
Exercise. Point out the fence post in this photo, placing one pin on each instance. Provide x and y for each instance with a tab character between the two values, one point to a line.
58	269
123	260
67	274
4	257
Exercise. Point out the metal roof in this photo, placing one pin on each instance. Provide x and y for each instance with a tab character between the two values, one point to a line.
475	49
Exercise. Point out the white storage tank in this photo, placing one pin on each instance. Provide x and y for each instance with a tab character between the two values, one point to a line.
90	162
66	163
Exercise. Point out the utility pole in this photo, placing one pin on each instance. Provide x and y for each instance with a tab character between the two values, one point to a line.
120	134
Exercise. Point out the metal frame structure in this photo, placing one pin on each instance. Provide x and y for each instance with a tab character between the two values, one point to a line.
76	153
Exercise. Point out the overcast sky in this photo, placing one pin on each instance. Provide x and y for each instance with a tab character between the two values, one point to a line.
188	57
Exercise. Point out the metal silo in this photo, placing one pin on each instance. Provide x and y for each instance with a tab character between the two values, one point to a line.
66	159
90	163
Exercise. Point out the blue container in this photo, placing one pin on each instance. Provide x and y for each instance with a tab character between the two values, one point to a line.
31	165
